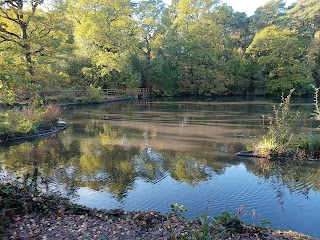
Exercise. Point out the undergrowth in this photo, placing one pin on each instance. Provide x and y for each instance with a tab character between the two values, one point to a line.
23	196
28	120
226	225
279	138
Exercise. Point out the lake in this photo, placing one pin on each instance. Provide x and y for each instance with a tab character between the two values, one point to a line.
147	155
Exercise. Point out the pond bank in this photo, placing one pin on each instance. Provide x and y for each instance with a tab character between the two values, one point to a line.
106	100
25	213
61	126
127	225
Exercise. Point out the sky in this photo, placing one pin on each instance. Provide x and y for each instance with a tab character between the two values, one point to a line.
247	6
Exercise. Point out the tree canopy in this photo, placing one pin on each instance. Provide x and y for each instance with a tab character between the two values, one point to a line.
200	48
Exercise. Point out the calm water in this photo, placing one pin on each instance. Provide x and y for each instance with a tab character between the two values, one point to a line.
148	155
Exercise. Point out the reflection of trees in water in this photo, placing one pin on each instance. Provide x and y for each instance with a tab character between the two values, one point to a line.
106	159
105	164
184	167
299	177
45	156
149	164
45	152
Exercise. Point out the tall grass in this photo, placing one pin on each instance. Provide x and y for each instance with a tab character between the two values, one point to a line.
308	147
280	134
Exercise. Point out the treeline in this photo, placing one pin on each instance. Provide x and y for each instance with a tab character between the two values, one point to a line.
192	47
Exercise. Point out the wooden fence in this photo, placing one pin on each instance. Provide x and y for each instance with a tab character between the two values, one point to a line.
25	95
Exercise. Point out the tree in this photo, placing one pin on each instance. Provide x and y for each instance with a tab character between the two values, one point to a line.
235	24
304	17
267	15
281	57
149	15
104	34
29	32
314	57
198	48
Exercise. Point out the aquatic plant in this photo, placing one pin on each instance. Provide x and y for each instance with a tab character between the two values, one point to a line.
220	227
279	137
308	147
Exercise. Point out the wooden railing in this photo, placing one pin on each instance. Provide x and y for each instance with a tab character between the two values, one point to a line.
26	96
79	93
134	91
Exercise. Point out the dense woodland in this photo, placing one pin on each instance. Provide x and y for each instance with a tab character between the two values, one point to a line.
192	47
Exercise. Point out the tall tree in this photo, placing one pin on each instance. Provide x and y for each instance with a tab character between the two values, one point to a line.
267	15
281	57
30	32
104	34
195	47
314	57
304	17
149	14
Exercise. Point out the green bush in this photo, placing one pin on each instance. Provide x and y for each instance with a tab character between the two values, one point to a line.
28	120
95	94
308	147
279	138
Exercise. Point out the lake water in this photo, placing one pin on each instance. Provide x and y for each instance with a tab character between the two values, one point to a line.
147	155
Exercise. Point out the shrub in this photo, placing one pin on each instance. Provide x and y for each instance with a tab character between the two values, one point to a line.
308	147
278	140
50	116
316	112
94	94
28	120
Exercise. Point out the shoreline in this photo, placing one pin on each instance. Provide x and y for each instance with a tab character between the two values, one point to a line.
117	224
60	127
25	213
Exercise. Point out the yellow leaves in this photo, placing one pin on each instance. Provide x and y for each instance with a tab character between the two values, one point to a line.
109	137
149	21
90	164
189	169
101	33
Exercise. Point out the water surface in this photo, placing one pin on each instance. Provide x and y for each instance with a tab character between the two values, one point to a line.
147	155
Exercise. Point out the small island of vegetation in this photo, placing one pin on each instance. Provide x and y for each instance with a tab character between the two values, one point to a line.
286	140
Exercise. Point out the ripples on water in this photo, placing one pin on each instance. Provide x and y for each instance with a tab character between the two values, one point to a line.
148	155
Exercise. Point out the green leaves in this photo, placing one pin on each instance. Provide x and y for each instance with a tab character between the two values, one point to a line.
281	56
103	33
187	48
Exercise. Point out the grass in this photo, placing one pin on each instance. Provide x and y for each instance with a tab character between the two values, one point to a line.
279	138
308	147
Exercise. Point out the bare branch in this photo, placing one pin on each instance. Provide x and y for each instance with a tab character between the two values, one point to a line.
40	50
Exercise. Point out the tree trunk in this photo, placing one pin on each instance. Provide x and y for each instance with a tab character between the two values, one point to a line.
27	47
